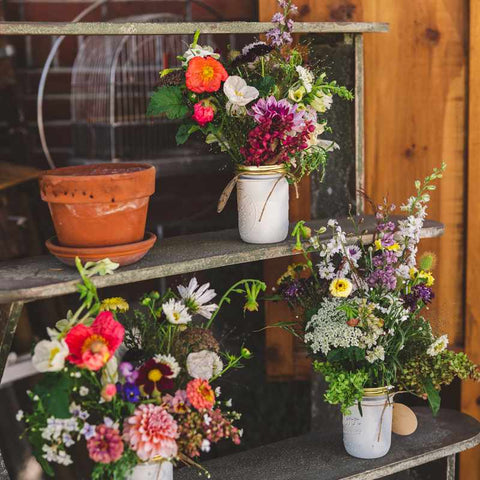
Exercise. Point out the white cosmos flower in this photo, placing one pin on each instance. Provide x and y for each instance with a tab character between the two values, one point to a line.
196	298
238	92
204	364
49	355
176	312
171	362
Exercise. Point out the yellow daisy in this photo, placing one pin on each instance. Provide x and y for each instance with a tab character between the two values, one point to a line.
114	304
341	287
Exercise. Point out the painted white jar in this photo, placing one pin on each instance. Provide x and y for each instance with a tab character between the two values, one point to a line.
368	434
262	198
152	471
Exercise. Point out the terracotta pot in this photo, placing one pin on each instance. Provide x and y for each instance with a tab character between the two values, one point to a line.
99	205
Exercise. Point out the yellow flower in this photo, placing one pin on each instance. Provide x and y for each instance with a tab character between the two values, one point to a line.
114	304
296	95
413	273
341	287
392	248
427	277
292	271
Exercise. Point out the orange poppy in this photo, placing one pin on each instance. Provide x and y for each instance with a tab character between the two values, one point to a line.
205	74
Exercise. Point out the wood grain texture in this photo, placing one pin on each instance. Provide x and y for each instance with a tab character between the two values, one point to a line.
470	461
415	105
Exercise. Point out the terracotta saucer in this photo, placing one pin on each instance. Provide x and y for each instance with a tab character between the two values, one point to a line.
123	254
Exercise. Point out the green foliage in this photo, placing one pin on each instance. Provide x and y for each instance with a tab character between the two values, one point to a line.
168	101
54	393
184	132
265	85
344	388
118	470
433	396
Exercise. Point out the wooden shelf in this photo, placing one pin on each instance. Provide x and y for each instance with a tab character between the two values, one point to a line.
114	28
321	456
43	277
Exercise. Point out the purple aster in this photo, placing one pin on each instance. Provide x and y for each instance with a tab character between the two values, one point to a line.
424	293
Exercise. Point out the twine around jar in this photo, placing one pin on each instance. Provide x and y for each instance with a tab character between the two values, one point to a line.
262	170
379	392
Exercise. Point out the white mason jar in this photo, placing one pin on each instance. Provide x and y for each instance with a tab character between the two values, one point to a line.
262	198
152	471
369	435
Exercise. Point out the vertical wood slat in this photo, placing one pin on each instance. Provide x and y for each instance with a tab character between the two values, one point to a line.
470	461
415	101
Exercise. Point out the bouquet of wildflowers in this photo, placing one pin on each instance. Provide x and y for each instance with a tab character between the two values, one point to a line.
363	305
134	387
263	106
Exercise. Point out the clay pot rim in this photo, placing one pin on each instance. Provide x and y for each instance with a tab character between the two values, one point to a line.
62	173
65	186
123	249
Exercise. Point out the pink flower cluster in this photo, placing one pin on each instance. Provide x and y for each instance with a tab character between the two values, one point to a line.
106	445
282	132
151	432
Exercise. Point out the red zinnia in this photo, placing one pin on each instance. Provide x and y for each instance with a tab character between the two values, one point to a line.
92	347
155	377
106	445
205	74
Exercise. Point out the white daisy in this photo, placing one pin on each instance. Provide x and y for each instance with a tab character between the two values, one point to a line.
438	346
176	312
196	298
171	362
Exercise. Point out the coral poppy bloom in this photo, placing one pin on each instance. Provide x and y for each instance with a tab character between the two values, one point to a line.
200	394
92	347
205	75
155	377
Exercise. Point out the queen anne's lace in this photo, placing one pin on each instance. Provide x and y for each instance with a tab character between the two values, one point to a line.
328	329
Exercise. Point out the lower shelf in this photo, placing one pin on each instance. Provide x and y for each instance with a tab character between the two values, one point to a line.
321	456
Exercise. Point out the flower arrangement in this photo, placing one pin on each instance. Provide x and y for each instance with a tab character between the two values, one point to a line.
363	307
263	106
134	386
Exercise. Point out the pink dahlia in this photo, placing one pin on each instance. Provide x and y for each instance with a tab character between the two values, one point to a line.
151	432
200	394
106	446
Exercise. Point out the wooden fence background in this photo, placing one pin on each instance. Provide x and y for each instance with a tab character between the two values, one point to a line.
418	93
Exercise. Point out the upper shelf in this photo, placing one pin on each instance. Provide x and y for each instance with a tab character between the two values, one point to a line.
43	277
321	456
106	28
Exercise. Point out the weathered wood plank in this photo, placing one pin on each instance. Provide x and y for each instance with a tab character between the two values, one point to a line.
321	456
470	396
105	28
43	277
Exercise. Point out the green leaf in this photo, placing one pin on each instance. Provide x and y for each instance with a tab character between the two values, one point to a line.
265	85
54	392
433	395
184	132
168	101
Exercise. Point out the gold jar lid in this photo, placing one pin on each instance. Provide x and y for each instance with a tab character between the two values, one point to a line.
376	391
261	170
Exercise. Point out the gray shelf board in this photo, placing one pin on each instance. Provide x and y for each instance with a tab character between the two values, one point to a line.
114	28
44	277
321	456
